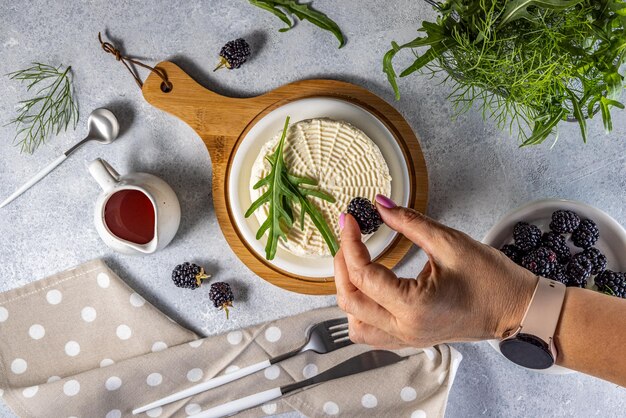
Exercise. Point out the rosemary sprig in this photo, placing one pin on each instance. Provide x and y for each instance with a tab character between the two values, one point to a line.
302	11
52	109
283	191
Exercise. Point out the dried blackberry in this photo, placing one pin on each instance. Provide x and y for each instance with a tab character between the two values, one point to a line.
612	283
556	242
234	54
579	269
189	275
564	221
222	296
541	261
586	235
366	215
598	260
513	252
526	236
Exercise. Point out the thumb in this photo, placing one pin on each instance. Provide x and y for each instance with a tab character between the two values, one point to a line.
417	227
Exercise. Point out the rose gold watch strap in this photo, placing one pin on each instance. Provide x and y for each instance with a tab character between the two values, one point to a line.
544	310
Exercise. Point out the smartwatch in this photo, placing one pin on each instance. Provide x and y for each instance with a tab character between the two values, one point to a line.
532	344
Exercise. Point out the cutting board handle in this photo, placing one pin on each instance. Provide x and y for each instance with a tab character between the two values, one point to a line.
210	114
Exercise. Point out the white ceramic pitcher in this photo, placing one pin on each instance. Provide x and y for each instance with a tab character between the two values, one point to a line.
164	201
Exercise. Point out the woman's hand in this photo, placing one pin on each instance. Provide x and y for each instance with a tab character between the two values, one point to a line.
466	291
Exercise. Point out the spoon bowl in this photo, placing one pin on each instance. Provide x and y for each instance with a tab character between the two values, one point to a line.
103	126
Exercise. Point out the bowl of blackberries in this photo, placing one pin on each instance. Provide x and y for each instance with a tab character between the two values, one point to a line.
567	241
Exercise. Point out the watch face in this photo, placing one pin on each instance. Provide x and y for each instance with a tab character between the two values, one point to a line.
527	351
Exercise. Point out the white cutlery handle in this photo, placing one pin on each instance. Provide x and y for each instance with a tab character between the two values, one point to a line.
41	174
201	387
240	404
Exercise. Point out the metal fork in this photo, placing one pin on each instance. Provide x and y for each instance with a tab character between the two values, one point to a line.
322	338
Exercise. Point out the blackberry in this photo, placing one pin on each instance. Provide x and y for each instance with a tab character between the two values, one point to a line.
579	269
526	236
598	260
574	283
559	274
513	252
612	283
564	221
586	235
233	54
222	296
556	242
541	261
188	275
366	215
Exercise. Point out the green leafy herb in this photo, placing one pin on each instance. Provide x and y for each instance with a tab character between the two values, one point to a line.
529	64
283	191
52	109
302	11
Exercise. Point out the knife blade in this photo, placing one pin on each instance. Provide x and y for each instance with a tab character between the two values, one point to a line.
369	360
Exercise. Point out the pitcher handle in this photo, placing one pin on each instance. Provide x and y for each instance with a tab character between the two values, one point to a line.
104	174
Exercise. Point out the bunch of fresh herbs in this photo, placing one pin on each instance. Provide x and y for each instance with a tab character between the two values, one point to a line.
52	109
284	190
302	11
530	63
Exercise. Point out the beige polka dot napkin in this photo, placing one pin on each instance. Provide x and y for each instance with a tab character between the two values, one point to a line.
83	344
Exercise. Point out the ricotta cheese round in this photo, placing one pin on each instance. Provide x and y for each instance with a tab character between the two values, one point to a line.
344	161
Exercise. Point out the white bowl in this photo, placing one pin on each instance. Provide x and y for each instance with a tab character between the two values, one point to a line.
612	240
270	125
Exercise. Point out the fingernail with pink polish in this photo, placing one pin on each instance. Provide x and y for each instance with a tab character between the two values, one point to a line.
342	219
385	201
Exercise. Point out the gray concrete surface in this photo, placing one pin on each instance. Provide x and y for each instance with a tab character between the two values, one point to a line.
477	173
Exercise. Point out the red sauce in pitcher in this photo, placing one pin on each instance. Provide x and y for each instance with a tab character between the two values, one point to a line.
129	215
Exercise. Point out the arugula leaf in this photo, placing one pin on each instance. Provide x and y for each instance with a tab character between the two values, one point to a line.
518	9
302	11
283	191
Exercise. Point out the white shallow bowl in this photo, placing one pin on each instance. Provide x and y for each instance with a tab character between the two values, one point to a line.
268	127
612	240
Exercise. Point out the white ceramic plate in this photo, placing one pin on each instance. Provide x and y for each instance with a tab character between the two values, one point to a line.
270	125
612	240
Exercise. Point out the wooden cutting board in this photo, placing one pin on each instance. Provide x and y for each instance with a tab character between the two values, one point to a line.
222	122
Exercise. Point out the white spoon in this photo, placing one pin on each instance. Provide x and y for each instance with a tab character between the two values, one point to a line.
103	128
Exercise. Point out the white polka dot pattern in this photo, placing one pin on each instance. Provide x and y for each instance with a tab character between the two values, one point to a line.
369	401
103	280
113	383
195	344
418	414
272	372
331	408
30	392
88	314
269	408
115	413
19	366
106	362
4	314
272	334
123	332
36	332
71	387
54	297
154	413
158	346
194	375
408	394
136	300
234	337
154	379
53	379
231	369
309	370
192	409
72	348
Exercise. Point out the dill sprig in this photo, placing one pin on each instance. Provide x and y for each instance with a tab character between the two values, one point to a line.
526	63
52	109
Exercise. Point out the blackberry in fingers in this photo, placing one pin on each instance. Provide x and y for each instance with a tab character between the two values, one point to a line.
526	236
556	242
234	54
222	296
586	235
564	221
598	260
366	215
541	261
189	275
513	252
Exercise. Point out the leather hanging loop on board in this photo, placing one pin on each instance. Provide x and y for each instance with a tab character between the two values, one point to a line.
108	47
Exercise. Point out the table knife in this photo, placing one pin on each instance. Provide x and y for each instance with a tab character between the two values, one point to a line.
369	360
